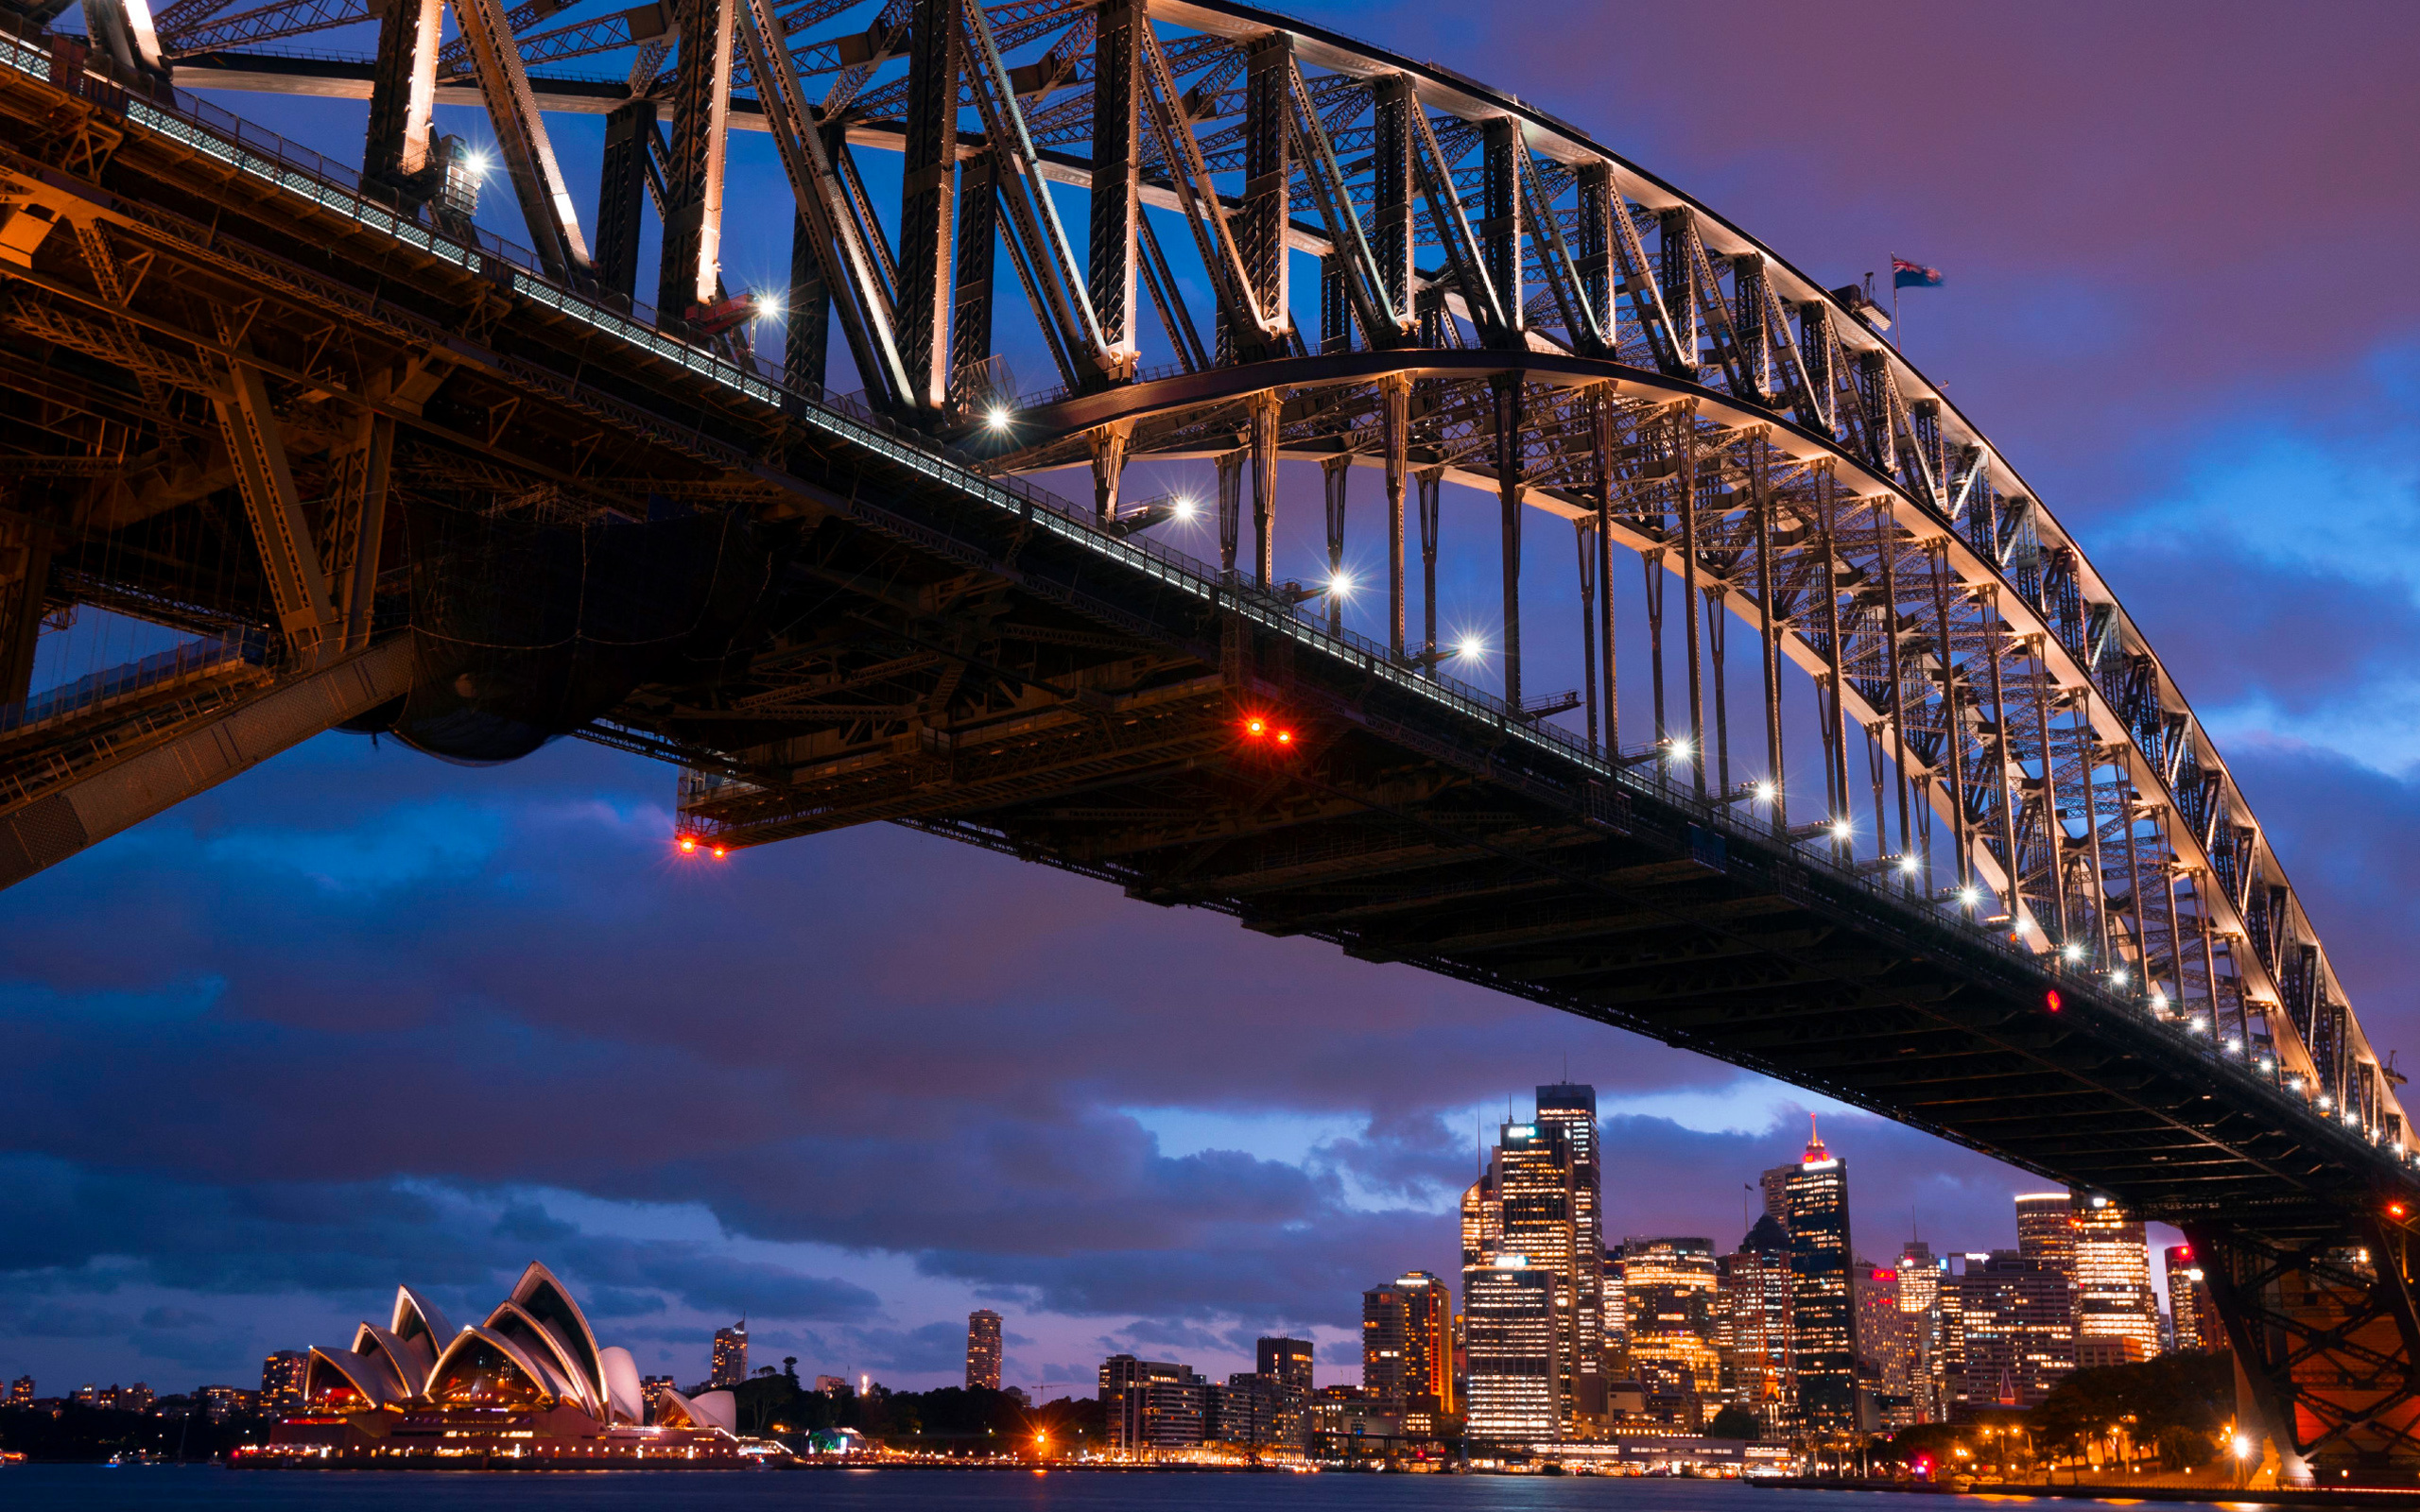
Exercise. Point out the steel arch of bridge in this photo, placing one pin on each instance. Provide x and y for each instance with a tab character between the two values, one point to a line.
1588	343
2156	865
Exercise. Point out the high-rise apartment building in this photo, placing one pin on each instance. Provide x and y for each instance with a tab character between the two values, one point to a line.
1510	1337
2113	1271
1151	1404
651	1390
983	1351
1884	1341
1774	1183
729	1364
1407	1343
282	1376
1540	1199
1752	1293
1668	1289
2189	1304
21	1391
1822	1310
1286	1360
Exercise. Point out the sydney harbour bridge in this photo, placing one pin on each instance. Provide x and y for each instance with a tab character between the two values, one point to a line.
1916	820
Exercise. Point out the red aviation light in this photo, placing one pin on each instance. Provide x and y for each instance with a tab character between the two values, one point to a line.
2394	1210
1285	737
720	852
1255	726
2052	999
688	845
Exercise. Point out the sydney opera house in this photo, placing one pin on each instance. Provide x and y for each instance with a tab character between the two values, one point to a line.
530	1384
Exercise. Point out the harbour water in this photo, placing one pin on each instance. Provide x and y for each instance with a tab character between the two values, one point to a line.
198	1488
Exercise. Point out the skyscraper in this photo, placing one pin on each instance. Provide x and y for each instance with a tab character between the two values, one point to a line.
983	1351
1510	1338
2045	1229
1407	1343
1752	1298
1919	1276
2113	1271
730	1355
1668	1292
1570	1108
1286	1360
1824	1344
2015	1338
2189	1303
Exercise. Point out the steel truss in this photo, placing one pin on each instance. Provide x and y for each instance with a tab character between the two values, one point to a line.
1505	306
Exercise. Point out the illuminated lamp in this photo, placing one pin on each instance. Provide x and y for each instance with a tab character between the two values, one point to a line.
2052	999
1285	737
688	844
1255	726
720	852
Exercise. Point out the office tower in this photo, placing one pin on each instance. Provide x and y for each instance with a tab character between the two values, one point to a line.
1617	1306
1886	1340
1537	1179
2015	1337
983	1351
2113	1274
1406	1344
2045	1229
1919	1276
1570	1109
1668	1293
1151	1404
1482	1218
1753	1290
2189	1302
730	1356
1286	1360
281	1381
1511	1338
1823	1314
1775	1185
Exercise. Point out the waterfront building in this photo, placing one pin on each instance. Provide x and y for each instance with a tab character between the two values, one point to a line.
2194	1313
1254	1411
1406	1344
136	1398
2113	1275
219	1403
1510	1338
1570	1109
1286	1360
1668	1289
730	1363
983	1351
531	1381
1152	1404
282	1379
2015	1336
1822	1311
1751	1298
20	1392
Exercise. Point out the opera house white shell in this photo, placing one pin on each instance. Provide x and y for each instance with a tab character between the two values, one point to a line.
530	1380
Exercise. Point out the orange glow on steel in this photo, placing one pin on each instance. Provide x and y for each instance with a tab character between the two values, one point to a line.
2052	1001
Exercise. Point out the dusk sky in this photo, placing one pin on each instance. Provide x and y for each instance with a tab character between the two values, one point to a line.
361	1017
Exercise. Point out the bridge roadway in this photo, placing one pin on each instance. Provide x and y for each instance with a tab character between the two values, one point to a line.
1051	684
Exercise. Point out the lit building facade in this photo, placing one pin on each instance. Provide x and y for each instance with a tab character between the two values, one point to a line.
1540	1198
1823	1343
1286	1360
2189	1304
730	1363
282	1376
983	1351
1407	1343
1510	1337
1920	1277
1570	1109
2113	1274
1152	1404
530	1383
1668	1292
1753	1294
2015	1337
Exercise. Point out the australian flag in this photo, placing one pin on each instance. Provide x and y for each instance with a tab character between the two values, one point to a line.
1907	275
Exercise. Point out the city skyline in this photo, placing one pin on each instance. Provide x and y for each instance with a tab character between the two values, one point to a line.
163	1230
1339	1347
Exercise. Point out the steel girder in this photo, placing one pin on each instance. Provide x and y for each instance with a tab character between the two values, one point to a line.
1672	385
